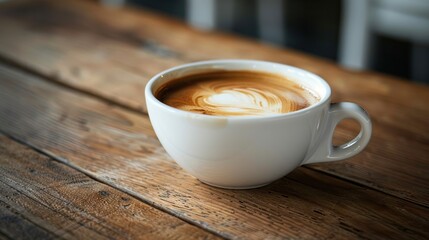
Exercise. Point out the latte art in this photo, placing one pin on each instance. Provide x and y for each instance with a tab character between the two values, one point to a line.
240	100
235	101
235	93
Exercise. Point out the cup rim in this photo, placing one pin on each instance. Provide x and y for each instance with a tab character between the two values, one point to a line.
150	96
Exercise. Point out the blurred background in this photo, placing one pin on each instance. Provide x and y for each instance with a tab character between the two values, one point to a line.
389	36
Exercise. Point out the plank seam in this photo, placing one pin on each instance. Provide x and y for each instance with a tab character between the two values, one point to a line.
110	184
29	220
365	186
14	64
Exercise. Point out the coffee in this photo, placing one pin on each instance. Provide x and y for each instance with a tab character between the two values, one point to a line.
235	93
261	147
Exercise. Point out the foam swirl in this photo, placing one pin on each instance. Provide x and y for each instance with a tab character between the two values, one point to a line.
235	93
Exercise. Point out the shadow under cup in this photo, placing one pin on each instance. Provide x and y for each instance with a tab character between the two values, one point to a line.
251	151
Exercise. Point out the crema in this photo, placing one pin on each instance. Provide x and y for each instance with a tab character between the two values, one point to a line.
235	93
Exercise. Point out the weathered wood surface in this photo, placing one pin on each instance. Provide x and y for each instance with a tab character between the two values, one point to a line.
119	147
44	199
112	53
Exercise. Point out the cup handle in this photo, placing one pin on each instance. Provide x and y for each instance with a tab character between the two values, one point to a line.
326	151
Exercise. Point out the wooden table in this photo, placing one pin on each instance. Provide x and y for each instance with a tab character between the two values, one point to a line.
79	158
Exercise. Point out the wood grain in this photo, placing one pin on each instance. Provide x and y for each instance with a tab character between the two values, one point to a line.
80	45
119	147
44	199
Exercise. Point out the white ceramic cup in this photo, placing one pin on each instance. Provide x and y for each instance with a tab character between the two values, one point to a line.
242	152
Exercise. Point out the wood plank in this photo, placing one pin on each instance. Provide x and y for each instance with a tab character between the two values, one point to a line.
120	148
44	199
135	43
78	44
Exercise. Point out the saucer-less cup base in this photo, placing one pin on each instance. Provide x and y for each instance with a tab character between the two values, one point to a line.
252	151
236	187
